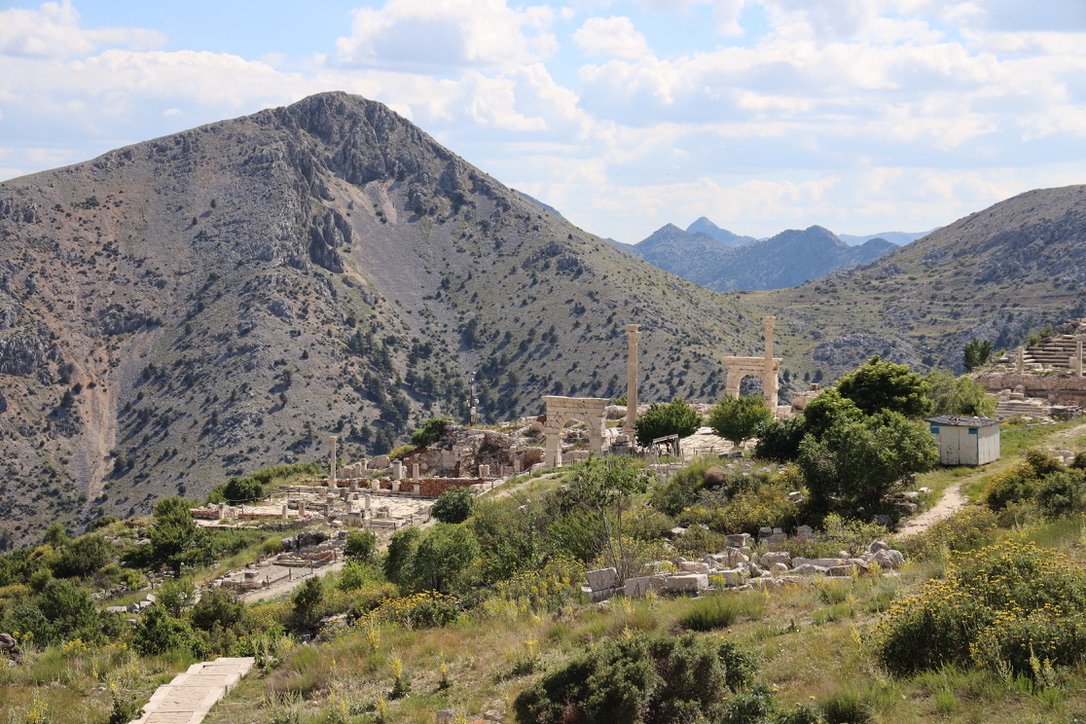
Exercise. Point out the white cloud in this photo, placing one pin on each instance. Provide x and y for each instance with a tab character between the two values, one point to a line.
614	36
53	31
439	35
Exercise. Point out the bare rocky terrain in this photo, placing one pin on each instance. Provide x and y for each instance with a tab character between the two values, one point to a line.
223	299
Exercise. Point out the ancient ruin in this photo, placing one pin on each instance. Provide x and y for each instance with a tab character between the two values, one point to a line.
560	410
632	336
765	368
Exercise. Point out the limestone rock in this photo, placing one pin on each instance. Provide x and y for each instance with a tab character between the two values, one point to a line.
603	578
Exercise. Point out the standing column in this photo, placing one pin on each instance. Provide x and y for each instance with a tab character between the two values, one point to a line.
632	335
770	384
1019	360
1078	358
332	477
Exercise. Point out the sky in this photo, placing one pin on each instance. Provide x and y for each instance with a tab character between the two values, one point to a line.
862	116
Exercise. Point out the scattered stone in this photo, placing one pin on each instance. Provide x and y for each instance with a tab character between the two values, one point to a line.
604	578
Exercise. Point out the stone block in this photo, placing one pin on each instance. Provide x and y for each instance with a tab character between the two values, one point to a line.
820	562
768	560
694	567
641	585
734	577
686	582
889	559
739	540
603	578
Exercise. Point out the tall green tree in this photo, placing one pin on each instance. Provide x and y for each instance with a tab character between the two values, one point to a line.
976	353
962	395
856	463
736	418
442	558
881	385
175	538
674	418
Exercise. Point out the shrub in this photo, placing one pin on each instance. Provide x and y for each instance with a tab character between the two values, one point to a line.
83	556
428	609
430	432
721	610
455	505
645	677
736	418
361	546
242	490
966	530
779	440
985	611
674	418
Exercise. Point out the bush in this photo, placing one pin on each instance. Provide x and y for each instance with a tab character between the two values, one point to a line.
645	677
420	610
430	432
243	490
455	505
361	546
778	440
674	418
966	530
736	418
721	610
1040	482
83	556
986	609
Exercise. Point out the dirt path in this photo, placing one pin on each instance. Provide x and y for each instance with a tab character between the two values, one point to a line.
953	500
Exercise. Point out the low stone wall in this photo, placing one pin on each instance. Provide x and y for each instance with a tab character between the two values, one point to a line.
1060	389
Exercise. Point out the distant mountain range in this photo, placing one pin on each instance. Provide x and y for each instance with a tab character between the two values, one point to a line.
719	260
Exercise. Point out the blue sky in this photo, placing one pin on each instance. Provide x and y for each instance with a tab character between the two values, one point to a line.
858	115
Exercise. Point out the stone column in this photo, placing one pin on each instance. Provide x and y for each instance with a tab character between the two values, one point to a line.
301	508
396	485
369	502
414	471
332	467
397	470
770	385
484	471
1078	358
375	485
1019	360
632	335
416	490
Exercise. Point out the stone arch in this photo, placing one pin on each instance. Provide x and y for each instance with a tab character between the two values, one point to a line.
739	367
560	410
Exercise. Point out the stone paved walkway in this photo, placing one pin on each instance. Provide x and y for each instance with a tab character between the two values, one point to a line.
188	698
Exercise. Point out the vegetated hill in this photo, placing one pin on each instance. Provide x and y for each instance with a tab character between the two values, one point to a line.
998	274
785	260
225	298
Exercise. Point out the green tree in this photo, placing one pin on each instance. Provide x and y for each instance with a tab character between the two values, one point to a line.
69	611
430	432
962	395
881	385
442	557
361	546
242	490
455	505
674	418
175	538
856	463
306	604
736	418
976	353
607	488
779	440
823	411
401	551
83	556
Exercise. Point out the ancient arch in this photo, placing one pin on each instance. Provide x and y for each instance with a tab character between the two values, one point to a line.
590	410
766	367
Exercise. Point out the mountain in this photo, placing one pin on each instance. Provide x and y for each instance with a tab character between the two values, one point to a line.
785	260
692	256
223	299
704	226
791	258
897	238
998	274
